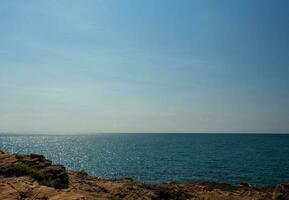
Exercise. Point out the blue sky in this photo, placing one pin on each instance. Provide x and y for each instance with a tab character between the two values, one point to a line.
72	66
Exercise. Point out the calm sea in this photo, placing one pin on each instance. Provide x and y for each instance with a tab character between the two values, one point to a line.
153	158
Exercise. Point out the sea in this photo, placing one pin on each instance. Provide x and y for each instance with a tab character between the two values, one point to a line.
257	159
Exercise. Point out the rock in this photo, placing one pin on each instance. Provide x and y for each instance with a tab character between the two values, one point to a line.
57	174
281	192
27	177
37	156
165	194
244	184
19	156
35	166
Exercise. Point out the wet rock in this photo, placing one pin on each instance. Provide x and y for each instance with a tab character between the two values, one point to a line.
244	185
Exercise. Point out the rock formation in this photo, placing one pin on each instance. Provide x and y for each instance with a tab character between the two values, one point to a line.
33	177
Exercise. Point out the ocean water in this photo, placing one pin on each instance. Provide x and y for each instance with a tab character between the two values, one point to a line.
153	158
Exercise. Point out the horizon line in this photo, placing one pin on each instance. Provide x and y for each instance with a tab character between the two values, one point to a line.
115	133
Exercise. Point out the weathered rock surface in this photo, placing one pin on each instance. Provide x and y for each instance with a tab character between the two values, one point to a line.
28	177
282	192
35	166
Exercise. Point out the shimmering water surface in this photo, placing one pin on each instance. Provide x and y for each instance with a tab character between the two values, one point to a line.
152	158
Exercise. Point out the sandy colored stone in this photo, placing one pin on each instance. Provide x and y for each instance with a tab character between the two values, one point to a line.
84	187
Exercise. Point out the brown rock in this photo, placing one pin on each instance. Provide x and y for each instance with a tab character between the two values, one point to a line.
27	177
37	156
281	192
35	166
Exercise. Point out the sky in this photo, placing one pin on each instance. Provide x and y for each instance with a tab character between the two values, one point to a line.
144	66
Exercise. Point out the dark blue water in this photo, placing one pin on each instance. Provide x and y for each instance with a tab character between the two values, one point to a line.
152	158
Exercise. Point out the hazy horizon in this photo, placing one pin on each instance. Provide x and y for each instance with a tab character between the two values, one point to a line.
39	133
108	66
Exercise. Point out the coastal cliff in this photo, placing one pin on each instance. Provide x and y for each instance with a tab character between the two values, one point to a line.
33	177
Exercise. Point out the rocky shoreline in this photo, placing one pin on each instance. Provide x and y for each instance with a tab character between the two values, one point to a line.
33	177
